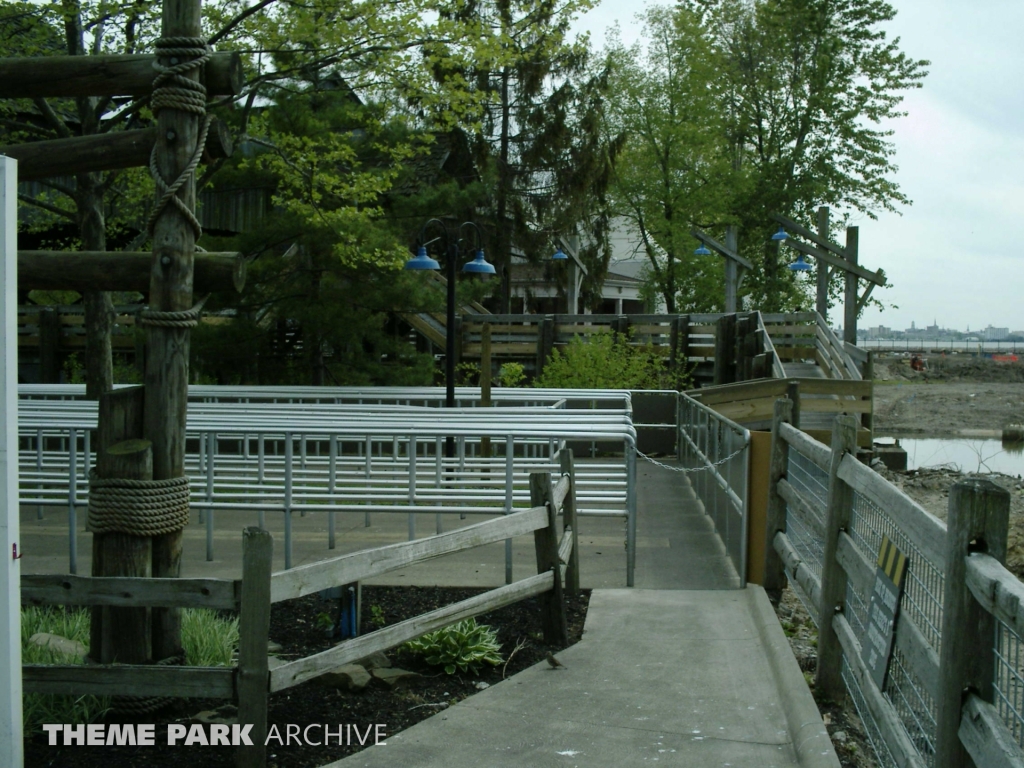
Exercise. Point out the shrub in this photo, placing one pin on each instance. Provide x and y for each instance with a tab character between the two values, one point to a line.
610	361
464	646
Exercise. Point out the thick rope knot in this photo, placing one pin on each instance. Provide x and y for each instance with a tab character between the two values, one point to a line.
188	318
143	705
138	507
174	89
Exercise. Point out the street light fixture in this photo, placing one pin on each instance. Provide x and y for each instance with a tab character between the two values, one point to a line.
781	234
800	265
479	266
702	250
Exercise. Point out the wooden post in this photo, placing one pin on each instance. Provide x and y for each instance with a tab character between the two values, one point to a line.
673	343
868	374
978	521
545	342
457	330
850	299
120	419
49	345
732	270
793	393
821	268
253	634
126	635
545	540
167	348
569	520
775	518
725	349
829	679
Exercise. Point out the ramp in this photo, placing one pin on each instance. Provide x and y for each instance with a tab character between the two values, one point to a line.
676	678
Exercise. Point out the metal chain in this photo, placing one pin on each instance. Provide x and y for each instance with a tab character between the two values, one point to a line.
688	470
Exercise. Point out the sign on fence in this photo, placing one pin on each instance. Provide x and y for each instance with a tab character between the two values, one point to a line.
890	577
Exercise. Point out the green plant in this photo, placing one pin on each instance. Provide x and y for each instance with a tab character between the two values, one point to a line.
612	361
208	639
39	708
464	646
511	375
377	616
467	373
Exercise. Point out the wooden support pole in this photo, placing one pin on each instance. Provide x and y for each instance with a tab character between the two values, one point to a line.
545	342
725	349
253	634
167	348
121	271
49	343
45	76
120	420
829	678
978	521
569	520
101	152
821	268
775	518
126	631
545	540
793	393
851	298
732	270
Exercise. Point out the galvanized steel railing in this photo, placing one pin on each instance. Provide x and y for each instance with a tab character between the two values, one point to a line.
716	453
316	457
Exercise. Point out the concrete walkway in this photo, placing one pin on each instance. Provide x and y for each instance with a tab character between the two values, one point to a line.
676	678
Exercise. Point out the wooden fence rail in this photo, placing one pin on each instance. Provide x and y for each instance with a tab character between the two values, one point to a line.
945	639
251	681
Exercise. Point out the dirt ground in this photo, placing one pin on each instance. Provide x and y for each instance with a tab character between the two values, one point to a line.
955	392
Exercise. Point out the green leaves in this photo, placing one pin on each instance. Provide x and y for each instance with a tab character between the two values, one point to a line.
463	647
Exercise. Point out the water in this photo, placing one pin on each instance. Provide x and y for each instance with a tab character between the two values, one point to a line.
964	455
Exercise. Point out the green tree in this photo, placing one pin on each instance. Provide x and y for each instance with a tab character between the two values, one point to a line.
677	169
535	129
810	82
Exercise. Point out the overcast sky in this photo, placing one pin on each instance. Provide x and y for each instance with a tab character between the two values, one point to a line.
957	254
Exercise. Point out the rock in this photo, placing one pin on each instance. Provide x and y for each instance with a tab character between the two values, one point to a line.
396	678
350	677
59	644
211	716
273	647
482	685
376	660
839	737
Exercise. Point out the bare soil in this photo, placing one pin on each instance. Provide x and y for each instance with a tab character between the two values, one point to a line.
953	393
296	626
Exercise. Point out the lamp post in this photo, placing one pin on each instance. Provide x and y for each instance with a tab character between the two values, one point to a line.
477	266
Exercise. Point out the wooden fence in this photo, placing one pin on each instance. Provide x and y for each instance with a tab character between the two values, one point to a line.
952	691
751	403
251	681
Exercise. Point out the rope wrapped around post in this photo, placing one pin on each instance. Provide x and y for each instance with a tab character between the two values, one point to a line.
188	318
171	89
138	507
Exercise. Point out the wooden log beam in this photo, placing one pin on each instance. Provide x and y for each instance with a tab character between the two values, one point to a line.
120	271
101	152
44	76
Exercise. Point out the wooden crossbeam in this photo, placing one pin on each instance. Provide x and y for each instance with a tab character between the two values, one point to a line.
120	271
839	263
44	76
100	152
716	246
805	233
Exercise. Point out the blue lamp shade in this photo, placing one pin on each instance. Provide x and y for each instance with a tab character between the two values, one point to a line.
558	255
702	250
781	234
800	265
479	265
422	261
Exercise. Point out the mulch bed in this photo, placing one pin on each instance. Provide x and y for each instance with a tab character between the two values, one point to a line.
295	626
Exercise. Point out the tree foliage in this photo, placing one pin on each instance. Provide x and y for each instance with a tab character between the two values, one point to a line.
786	98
